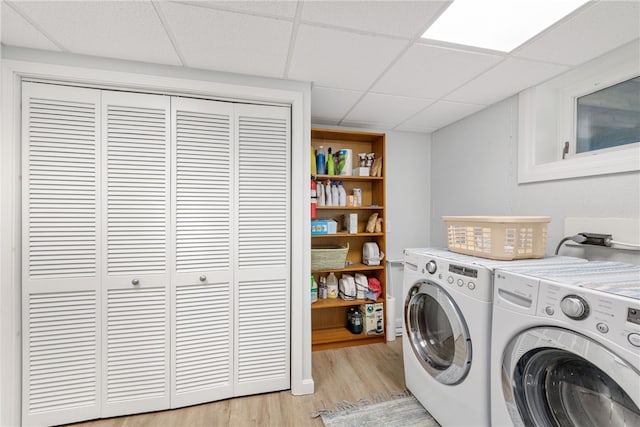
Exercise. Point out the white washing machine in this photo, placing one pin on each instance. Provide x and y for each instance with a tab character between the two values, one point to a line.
447	333
447	315
566	347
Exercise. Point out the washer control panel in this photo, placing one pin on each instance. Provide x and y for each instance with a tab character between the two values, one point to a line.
471	280
610	316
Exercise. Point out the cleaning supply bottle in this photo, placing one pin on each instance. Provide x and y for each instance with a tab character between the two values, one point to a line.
322	290
335	194
314	290
313	162
330	163
321	162
328	199
332	286
342	195
320	194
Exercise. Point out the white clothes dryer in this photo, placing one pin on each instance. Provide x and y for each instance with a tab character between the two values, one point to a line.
447	333
565	347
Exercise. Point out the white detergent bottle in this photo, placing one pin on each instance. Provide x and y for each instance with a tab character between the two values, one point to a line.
332	286
342	195
328	199
320	194
335	194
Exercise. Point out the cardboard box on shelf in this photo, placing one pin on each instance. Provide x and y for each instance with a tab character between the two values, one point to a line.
324	226
373	318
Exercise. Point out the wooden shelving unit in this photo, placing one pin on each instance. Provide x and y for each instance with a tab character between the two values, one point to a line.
329	317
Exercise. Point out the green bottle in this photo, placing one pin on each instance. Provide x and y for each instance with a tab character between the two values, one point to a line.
330	164
314	290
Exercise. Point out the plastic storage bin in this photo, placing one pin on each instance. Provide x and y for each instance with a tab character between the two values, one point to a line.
498	237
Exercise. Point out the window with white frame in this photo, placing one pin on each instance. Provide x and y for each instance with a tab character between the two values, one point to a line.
584	122
609	117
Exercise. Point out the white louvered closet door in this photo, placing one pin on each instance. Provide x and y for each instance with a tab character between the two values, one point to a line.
262	249
202	271
136	197
60	254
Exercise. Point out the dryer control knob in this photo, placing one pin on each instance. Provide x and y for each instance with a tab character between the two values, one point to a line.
574	307
432	267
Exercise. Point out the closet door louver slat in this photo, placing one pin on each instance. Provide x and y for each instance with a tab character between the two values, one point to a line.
136	196
202	143
262	291
60	252
137	235
136	340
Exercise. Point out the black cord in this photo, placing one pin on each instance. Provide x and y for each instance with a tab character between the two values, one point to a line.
578	238
560	244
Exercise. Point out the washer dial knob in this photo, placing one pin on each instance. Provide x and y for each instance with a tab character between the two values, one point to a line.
574	307
432	267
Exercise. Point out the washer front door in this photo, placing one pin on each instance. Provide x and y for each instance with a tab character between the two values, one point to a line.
555	377
437	332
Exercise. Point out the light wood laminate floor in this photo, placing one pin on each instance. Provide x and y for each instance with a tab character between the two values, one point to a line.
342	374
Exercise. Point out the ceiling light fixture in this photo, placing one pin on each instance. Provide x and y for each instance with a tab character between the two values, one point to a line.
499	25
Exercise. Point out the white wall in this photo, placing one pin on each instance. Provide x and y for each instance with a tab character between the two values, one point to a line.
474	172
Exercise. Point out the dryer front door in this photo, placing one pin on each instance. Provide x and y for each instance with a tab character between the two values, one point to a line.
555	377
437	332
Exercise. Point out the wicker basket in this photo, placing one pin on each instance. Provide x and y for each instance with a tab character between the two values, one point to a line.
328	257
498	237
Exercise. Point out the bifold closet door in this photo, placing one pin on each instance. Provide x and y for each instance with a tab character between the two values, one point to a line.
61	348
135	296
202	270
262	249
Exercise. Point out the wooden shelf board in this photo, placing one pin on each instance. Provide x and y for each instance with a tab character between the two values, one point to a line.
339	302
349	208
324	339
348	178
354	267
348	235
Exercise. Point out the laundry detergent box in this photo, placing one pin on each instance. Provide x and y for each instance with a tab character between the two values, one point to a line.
324	226
373	318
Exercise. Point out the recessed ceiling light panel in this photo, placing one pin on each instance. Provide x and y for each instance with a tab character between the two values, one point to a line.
499	25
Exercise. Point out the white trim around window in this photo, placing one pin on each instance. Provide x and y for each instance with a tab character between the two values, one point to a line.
546	119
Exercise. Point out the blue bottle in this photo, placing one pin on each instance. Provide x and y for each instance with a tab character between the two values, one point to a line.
321	163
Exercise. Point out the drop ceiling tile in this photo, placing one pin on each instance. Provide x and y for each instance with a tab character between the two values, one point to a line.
594	31
396	18
433	71
438	115
506	79
229	41
283	9
368	125
332	104
387	109
16	31
340	59
113	29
